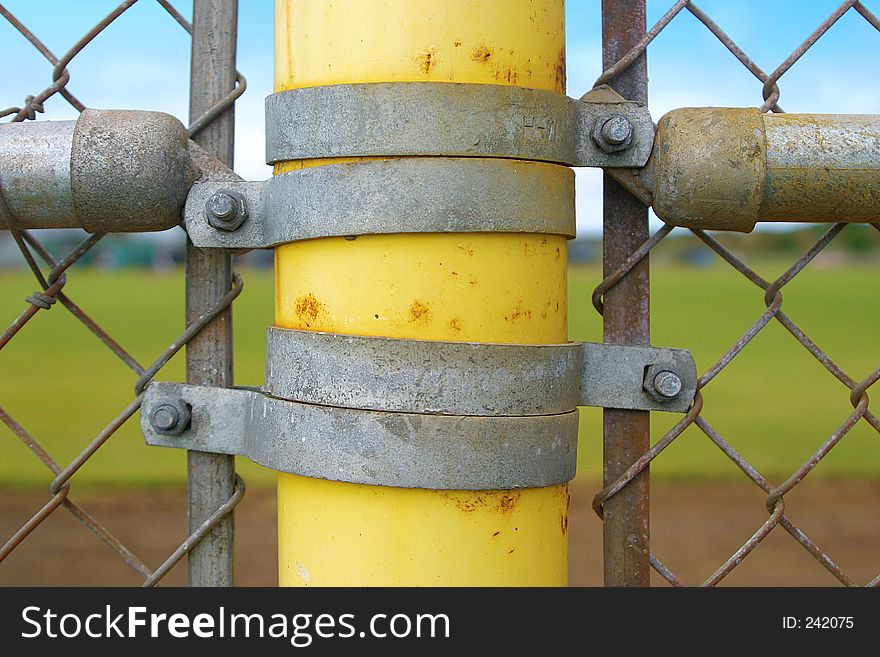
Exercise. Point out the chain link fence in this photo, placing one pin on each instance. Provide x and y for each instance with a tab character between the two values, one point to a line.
51	277
771	290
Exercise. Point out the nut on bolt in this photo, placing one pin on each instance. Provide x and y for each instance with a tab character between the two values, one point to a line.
661	383
170	418
613	133
226	210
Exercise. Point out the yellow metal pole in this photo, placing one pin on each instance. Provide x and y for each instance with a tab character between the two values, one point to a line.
479	287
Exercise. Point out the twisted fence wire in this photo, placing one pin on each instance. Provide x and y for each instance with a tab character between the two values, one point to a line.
773	300
51	290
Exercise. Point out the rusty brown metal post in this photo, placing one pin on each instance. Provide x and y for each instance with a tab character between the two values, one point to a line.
626	321
208	278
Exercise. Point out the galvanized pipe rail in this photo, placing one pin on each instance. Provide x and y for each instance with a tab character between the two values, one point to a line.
709	168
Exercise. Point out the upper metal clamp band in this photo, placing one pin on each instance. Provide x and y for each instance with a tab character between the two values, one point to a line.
399	119
467	378
422	376
413	195
368	447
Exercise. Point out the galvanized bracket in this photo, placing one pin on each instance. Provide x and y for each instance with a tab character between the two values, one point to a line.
368	447
401	119
493	150
418	414
637	378
412	195
472	378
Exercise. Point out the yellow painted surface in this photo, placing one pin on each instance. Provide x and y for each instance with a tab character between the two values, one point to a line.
341	534
476	287
460	287
515	42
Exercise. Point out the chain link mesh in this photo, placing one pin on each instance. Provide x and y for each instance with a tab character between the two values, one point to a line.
51	290
773	300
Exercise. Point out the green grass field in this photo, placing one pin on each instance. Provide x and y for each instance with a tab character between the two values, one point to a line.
774	403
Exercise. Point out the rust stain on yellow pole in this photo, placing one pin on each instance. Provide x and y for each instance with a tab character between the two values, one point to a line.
481	287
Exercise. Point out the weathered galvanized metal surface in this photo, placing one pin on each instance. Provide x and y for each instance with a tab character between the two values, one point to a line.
109	171
35	173
411	195
715	168
422	376
727	169
613	376
449	120
709	168
130	170
822	167
468	378
623	501
369	447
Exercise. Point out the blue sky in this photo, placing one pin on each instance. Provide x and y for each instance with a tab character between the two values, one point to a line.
142	62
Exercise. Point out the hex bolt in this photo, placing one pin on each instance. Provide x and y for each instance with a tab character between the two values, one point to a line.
170	418
613	134
617	130
222	206
667	384
661	383
226	210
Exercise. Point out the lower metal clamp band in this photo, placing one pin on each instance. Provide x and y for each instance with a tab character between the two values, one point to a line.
369	447
418	414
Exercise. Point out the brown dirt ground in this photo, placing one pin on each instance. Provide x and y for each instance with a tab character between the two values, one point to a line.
695	527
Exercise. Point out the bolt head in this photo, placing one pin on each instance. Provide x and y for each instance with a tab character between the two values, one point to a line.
617	130
170	418
226	210
613	133
165	417
661	383
667	384
222	206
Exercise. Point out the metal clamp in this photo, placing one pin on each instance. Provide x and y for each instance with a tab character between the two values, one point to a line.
368	447
108	171
418	414
421	376
493	150
619	376
467	378
399	119
413	195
